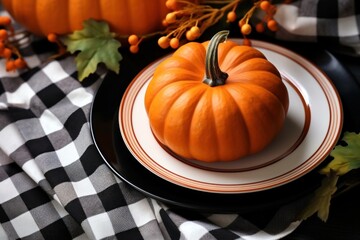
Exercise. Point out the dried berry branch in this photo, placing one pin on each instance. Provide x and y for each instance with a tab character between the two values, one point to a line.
9	44
188	20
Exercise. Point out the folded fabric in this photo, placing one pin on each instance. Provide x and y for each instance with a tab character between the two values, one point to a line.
333	23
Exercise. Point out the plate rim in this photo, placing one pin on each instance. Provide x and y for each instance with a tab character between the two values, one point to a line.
310	68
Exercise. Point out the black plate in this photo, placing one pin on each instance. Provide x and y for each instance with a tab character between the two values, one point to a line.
108	140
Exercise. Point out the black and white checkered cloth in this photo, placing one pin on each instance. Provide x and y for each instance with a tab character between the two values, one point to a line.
55	185
333	23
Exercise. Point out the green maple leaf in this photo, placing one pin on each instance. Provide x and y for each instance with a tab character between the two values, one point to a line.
346	158
95	44
320	201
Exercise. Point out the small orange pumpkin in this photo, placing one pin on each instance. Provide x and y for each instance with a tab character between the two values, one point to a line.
42	17
200	112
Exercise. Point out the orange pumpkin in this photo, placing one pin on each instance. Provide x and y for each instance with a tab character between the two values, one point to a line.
200	112
42	17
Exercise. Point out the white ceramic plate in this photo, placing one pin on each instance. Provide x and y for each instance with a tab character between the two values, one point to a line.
311	130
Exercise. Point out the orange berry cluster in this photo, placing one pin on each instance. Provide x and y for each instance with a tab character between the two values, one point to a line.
187	18
268	21
134	42
14	60
190	19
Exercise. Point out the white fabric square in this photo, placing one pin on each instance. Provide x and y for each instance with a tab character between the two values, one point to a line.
288	17
141	212
33	170
101	226
3	106
83	188
24	225
12	133
191	230
21	98
80	97
347	26
49	122
7	190
67	154
55	72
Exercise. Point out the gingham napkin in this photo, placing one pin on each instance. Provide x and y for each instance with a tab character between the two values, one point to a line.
54	184
333	23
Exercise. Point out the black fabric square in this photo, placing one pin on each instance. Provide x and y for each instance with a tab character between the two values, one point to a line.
57	176
39	146
11	169
328	41
189	215
51	95
19	114
170	226
357	7
3	216
56	230
112	198
34	198
2	89
26	75
73	227
88	81
75	209
91	160
327	9
75	122
132	234
223	234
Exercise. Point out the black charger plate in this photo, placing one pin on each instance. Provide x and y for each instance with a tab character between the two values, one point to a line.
108	140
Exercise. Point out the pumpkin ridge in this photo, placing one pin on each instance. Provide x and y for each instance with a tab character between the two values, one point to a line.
268	112
185	129
186	63
191	122
240	112
160	92
160	87
192	52
223	147
224	49
261	82
254	64
233	58
153	111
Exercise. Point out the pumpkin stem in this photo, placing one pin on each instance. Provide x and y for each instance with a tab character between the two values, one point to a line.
214	75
